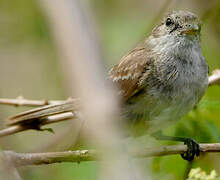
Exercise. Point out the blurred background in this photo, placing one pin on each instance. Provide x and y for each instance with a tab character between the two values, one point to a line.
29	66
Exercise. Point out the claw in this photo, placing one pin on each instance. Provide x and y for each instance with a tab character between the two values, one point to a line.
193	149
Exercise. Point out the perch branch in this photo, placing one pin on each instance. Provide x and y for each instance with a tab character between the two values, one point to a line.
48	120
214	79
24	159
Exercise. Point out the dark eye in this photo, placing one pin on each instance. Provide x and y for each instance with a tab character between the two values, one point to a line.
169	22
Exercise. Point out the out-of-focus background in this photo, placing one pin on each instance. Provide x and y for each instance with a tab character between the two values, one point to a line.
29	66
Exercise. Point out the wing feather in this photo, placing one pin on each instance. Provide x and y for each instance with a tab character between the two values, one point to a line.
127	74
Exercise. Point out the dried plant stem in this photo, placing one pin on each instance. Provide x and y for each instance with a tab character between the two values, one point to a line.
21	101
48	120
24	159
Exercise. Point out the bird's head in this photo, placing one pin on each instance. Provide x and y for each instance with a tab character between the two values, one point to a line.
179	24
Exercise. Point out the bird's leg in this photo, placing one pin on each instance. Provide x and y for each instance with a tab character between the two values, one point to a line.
193	146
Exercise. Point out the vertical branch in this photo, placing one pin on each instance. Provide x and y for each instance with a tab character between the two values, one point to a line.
84	74
7	168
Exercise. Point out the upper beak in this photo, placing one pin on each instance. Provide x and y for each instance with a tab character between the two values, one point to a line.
191	29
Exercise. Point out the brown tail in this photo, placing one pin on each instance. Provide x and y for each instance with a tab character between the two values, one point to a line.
43	112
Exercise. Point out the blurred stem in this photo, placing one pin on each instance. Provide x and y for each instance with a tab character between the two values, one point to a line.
7	167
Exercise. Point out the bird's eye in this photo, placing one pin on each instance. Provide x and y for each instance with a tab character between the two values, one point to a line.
169	22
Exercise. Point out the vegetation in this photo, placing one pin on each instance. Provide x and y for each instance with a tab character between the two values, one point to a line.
29	67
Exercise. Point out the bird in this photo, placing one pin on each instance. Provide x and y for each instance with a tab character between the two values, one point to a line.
159	81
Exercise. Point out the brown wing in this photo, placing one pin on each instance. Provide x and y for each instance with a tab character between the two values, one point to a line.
128	73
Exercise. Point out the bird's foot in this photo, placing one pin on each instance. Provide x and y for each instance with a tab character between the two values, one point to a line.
193	149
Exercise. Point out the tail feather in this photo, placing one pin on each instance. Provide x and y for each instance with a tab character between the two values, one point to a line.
43	112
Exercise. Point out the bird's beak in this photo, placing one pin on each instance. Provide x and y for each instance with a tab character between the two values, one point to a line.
191	29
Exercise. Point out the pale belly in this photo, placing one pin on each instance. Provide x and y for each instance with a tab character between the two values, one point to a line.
148	114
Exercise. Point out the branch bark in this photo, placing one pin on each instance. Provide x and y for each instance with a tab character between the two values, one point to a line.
25	159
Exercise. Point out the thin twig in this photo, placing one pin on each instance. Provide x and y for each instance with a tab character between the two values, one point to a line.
48	120
24	159
21	101
214	79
